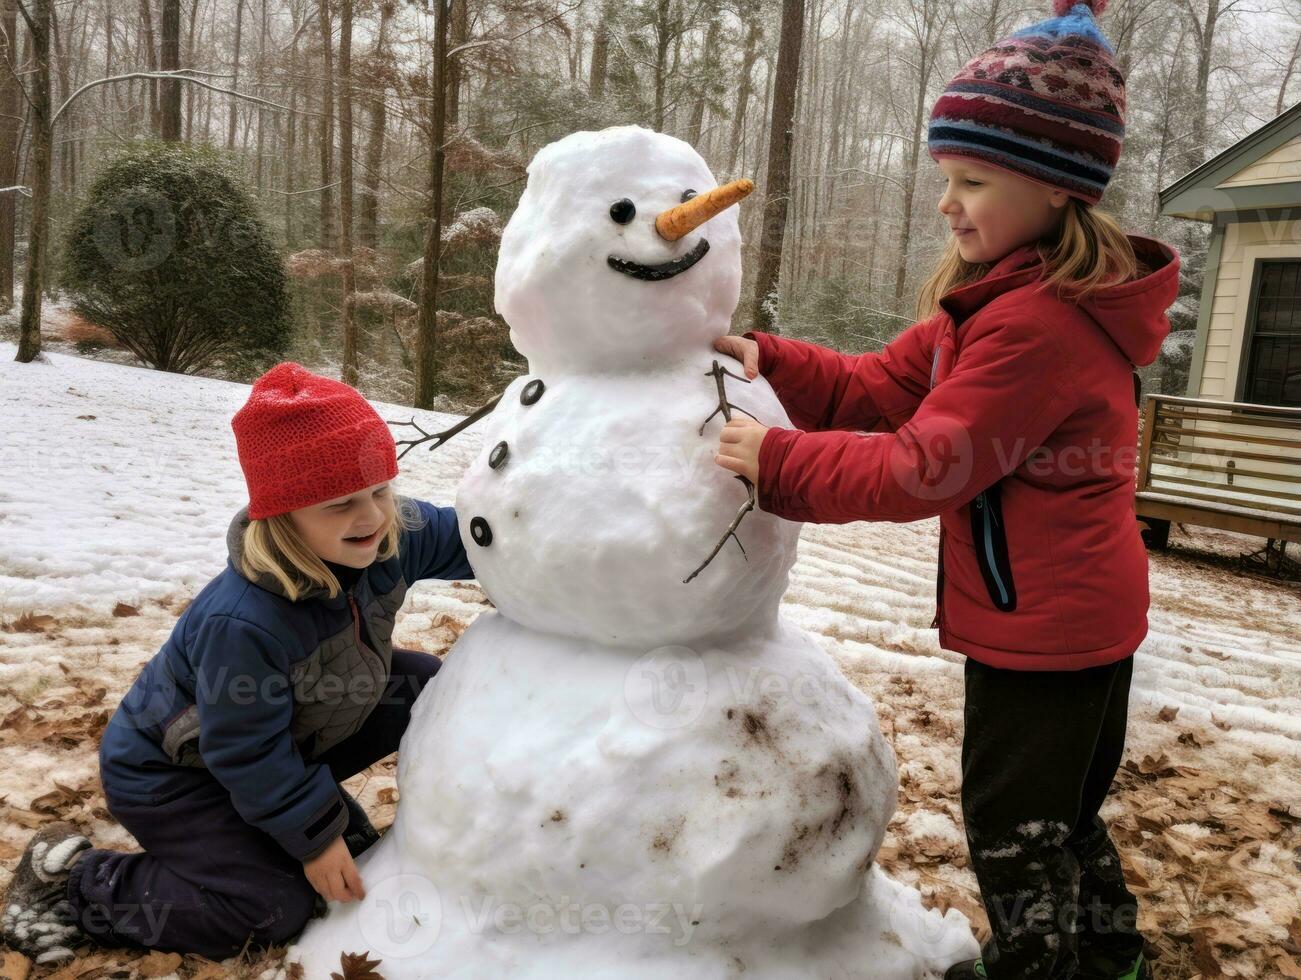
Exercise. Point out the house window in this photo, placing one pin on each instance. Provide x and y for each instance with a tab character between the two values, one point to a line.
1273	369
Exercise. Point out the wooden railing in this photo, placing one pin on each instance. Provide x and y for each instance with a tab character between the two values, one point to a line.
1227	465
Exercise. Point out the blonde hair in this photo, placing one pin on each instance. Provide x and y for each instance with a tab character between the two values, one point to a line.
273	546
1085	252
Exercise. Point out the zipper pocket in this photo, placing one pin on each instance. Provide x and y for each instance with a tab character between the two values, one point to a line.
939	585
990	539
356	626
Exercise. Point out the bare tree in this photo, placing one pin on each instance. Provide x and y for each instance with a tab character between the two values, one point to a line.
600	53
41	128
10	107
427	328
170	59
327	124
1281	102
368	217
924	22
1204	25
234	104
777	192
345	192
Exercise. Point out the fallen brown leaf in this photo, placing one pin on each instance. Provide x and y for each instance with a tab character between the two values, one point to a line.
357	966
157	964
29	623
14	966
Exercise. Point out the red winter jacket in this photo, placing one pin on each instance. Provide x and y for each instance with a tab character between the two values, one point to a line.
1011	415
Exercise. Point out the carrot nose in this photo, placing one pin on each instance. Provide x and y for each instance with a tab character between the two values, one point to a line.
689	215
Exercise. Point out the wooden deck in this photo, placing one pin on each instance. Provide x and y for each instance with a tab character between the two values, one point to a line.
1227	465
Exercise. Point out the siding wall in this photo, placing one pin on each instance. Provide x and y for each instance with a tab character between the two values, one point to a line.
1283	164
1244	243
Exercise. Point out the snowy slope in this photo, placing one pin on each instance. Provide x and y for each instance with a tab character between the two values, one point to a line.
118	484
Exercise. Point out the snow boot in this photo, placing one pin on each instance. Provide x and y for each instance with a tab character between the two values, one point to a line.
38	920
975	970
360	833
1140	969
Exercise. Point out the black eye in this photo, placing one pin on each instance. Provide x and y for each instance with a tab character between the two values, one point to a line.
623	211
687	195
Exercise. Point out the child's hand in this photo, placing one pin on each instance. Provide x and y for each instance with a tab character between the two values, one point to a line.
743	349
738	445
334	875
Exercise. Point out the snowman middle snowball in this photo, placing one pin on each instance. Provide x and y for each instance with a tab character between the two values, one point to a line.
604	494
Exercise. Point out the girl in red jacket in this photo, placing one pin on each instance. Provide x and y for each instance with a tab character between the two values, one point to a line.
1009	411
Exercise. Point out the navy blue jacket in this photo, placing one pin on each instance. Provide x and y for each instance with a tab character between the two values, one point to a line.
250	686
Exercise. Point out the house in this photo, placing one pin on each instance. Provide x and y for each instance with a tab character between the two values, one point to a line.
1248	343
1228	453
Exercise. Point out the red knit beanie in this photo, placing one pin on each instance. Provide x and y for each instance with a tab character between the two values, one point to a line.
303	438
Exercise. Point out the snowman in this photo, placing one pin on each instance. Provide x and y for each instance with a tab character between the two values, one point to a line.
634	767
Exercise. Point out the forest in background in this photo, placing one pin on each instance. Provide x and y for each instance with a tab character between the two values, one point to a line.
329	111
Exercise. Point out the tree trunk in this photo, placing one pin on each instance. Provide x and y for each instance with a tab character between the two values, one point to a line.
291	134
427	329
171	61
10	107
368	218
151	59
1280	102
707	59
260	164
743	97
929	23
460	29
1205	52
29	325
662	38
327	125
600	55
345	192
777	192
234	81
190	90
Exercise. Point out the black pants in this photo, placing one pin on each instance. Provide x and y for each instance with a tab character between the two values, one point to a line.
1039	752
207	882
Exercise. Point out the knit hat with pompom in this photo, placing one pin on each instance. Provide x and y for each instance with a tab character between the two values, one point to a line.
303	439
1046	103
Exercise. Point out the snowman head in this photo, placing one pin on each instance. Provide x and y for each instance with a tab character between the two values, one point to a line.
623	254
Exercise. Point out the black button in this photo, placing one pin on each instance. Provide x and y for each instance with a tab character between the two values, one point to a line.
532	392
481	532
498	454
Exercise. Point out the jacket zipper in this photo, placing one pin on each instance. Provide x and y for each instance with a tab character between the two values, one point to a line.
990	539
939	585
356	624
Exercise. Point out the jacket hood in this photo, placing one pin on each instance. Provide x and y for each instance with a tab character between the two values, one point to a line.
1132	313
235	550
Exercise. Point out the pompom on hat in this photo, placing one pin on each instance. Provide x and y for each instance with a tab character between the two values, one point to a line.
303	439
1046	103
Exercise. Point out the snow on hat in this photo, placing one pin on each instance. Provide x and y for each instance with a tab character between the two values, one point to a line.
1046	103
303	438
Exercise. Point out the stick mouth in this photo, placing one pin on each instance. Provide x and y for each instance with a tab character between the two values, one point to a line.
665	270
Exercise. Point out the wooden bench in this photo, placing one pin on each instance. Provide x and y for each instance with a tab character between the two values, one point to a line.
1226	465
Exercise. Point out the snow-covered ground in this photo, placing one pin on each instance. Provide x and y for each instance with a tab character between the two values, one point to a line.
118	484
